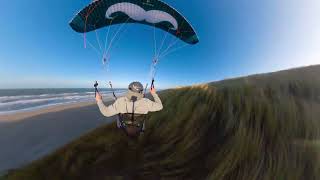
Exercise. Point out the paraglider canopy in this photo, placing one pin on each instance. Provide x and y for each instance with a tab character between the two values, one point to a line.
155	13
102	13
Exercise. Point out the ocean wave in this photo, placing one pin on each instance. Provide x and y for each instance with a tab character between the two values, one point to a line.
8	99
13	104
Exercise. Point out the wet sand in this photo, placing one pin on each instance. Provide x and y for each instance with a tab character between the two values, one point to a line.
27	136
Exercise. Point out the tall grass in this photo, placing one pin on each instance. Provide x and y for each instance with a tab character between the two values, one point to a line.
258	127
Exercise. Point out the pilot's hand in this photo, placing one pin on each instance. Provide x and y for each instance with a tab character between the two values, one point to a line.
153	90
98	97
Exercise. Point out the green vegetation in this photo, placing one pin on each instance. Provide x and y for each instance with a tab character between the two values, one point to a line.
257	127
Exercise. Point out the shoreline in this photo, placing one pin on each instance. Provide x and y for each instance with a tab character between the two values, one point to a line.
31	113
42	131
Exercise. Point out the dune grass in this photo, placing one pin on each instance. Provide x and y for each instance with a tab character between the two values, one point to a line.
257	127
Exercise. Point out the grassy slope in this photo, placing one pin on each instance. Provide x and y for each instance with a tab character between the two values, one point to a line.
257	127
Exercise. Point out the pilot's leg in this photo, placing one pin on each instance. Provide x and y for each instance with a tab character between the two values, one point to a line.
118	123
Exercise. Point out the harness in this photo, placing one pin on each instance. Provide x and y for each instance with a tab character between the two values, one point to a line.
129	122
133	124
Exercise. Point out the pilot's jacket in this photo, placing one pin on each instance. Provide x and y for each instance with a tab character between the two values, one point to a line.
124	105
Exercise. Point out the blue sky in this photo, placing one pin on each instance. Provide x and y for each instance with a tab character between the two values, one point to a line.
38	49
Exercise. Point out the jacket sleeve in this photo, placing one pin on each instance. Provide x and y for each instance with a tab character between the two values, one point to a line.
156	105
108	111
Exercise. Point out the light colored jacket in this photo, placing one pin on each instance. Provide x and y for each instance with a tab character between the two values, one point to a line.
124	105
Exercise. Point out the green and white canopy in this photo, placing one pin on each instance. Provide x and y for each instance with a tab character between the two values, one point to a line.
102	13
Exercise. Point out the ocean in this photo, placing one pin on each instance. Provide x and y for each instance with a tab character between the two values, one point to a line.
19	100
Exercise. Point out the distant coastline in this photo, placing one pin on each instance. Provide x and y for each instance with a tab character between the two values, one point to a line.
35	112
17	101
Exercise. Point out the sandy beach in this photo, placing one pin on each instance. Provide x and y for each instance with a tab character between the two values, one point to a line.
27	136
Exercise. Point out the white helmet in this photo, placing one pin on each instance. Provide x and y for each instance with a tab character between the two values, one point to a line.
136	87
